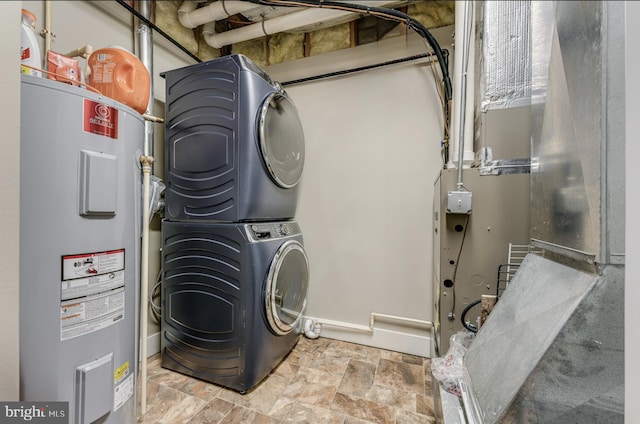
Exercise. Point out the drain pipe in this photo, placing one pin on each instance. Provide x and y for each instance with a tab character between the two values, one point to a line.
313	326
47	31
146	162
145	54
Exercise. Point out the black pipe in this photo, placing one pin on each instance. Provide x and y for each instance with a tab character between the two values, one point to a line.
467	308
138	15
359	69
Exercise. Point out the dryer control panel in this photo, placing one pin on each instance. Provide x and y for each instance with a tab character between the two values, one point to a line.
272	230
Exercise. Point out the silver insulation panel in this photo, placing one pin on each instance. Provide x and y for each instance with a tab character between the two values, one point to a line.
503	54
577	150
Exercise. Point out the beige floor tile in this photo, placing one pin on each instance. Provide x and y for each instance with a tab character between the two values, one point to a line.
200	389
320	381
401	376
305	413
262	398
169	406
358	378
213	412
282	407
313	386
363	409
242	415
393	397
406	417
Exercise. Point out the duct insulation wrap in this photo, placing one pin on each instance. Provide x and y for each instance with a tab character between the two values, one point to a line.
503	54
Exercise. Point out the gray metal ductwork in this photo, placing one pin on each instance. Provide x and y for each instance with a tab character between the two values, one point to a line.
503	86
552	349
145	54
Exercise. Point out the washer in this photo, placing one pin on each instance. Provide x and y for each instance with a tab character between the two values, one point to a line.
232	299
234	144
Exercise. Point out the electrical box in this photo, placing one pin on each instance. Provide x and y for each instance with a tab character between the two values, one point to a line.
459	202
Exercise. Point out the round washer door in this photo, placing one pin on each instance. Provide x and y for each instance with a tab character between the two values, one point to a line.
286	287
281	140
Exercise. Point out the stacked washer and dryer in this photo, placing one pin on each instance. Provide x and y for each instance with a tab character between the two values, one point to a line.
234	269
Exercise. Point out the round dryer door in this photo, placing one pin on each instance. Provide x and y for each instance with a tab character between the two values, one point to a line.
286	287
282	140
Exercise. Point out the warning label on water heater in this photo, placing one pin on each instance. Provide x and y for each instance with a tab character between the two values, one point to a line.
98	118
92	292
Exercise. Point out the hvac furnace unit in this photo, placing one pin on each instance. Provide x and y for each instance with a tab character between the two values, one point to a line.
468	249
79	243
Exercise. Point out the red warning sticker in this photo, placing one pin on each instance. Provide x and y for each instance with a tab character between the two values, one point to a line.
100	119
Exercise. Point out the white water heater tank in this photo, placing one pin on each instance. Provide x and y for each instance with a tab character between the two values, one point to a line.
80	195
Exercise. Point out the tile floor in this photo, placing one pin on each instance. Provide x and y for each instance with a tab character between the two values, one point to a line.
320	381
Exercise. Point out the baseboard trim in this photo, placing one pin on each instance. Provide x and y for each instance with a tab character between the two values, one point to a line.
384	339
153	344
398	341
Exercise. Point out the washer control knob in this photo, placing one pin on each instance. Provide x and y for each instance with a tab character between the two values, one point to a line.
282	229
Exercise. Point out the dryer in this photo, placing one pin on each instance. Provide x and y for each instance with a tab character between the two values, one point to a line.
232	298
234	144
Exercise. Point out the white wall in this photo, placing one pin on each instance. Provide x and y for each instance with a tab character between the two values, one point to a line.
10	204
373	153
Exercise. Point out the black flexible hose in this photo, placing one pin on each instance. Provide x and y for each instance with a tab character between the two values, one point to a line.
384	13
467	308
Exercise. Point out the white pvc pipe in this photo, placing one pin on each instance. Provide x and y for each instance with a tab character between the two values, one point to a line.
375	315
48	5
279	24
463	104
144	281
190	17
84	52
313	326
